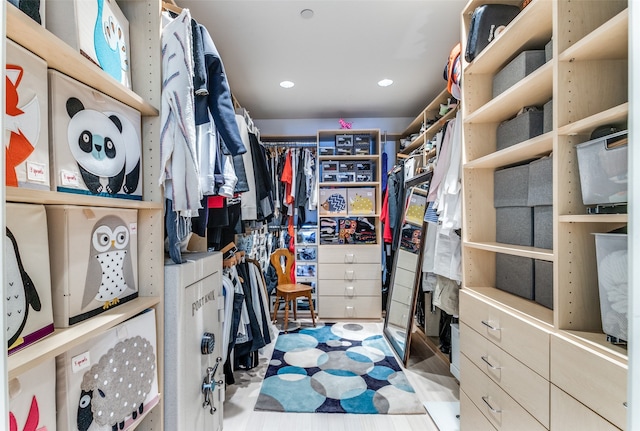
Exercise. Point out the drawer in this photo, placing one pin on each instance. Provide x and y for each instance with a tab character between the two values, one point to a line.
595	380
349	254
520	338
339	307
350	272
349	289
496	405
568	413
471	419
525	386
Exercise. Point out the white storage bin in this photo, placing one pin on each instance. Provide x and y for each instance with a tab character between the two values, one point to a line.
611	254
603	169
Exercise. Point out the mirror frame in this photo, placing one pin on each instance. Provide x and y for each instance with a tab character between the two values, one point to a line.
404	357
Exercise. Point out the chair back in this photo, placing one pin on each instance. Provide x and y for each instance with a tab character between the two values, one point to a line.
284	274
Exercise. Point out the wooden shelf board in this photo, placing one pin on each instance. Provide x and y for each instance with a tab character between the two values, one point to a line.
329	133
594	218
64	339
352	157
617	114
530	29
598	341
607	42
434	105
535	89
535	147
430	132
62	57
349	184
516	250
22	195
529	308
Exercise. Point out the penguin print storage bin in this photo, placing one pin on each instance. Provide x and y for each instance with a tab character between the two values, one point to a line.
94	260
110	381
28	302
26	133
97	29
32	399
95	141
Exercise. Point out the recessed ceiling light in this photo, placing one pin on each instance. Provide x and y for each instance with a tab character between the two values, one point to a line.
286	84
385	82
306	13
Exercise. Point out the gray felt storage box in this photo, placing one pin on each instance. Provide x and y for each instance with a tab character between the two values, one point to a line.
511	187
518	68
524	126
548	51
547	117
514	274
514	225
541	182
543	283
543	227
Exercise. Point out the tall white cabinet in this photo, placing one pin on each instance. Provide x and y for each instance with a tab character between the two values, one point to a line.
144	19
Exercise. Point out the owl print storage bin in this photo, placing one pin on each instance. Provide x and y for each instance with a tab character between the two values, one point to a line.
94	260
95	141
97	29
32	399
26	133
28	301
110	381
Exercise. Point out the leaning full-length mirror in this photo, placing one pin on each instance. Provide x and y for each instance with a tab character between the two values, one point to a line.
405	276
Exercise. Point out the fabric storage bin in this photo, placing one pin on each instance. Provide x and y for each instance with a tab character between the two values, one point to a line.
514	274
32	399
94	260
548	51
95	141
613	284
26	120
514	225
111	380
332	201
543	227
541	182
98	30
517	69
602	164
547	116
519	129
543	283
28	302
511	187
361	201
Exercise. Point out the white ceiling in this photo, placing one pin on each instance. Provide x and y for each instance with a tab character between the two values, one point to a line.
335	58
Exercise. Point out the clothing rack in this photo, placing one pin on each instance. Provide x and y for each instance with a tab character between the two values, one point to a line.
295	144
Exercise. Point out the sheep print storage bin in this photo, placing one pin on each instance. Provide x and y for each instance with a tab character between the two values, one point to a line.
32	399
94	260
28	301
109	382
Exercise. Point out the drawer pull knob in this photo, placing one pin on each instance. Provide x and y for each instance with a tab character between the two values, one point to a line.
350	291
349	258
486	401
625	404
349	275
488	325
489	364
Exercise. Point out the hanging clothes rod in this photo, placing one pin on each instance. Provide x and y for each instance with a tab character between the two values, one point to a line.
290	144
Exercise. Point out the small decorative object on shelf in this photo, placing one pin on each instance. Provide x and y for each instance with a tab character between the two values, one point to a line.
344	124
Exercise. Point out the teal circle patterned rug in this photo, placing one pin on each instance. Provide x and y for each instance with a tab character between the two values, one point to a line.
336	368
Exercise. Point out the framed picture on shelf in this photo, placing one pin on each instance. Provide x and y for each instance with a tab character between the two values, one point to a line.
307	254
306	236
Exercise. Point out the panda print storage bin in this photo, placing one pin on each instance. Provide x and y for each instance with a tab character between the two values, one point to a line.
32	399
28	301
26	133
98	30
110	381
95	141
94	260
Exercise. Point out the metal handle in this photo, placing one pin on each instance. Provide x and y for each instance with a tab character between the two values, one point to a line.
489	364
349	275
349	291
209	385
625	404
488	325
349	258
486	401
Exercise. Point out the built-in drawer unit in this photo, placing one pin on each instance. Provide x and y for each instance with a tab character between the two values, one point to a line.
593	378
364	307
471	418
524	340
570	414
525	386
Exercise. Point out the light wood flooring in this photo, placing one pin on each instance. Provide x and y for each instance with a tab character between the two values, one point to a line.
427	372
